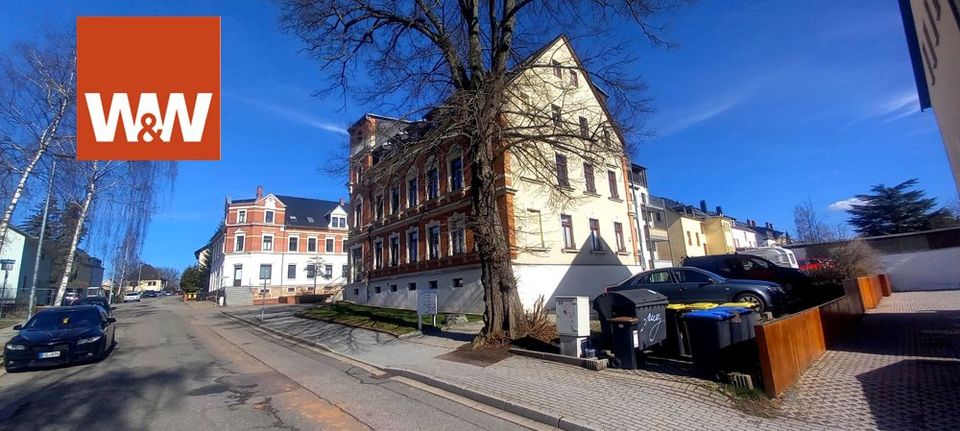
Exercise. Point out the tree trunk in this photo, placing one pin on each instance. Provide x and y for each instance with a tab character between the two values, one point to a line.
71	253
503	315
17	193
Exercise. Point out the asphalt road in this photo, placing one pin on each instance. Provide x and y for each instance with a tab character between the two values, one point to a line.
180	368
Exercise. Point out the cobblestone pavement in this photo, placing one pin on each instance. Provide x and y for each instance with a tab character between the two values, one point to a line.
607	400
899	371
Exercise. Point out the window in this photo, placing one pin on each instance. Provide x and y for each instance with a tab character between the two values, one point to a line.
345	271
658	277
433	183
268	216
239	243
588	178
412	193
312	245
687	276
689	238
328	271
311	271
566	224
413	246
537	219
658	216
606	137
266	271
557	70
433	237
394	199
268	243
358	215
457	282
612	179
356	292
394	251
574	81
343	248
291	271
242	216
378	209
393	287
562	179
309	219
237	274
618	231
293	243
357	262
698	237
329	243
584	128
292	218
557	116
378	255
751	263
411	286
595	239
456	174
433	284
377	289
458	241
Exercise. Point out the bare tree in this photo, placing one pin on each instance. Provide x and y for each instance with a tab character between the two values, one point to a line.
810	226
461	65
37	108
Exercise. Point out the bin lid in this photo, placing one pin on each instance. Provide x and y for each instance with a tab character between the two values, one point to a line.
712	314
639	297
737	310
694	306
625	319
739	304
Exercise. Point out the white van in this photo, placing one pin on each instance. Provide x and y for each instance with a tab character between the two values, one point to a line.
778	255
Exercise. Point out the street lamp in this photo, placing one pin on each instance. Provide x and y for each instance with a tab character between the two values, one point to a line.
6	265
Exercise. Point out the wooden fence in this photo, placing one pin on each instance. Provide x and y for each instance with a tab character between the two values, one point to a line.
789	345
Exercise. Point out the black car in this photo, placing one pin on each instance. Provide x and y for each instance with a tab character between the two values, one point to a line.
685	285
748	267
151	294
95	300
60	335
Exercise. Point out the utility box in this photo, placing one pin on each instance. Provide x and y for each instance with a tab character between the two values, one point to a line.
573	324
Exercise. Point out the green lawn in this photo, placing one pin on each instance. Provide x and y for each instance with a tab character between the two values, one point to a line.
390	320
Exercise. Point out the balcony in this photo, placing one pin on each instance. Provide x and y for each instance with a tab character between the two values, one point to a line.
655	203
657	231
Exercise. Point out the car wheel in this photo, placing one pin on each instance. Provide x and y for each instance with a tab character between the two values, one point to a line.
753	298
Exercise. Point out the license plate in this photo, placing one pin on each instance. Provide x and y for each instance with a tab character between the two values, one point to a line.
45	355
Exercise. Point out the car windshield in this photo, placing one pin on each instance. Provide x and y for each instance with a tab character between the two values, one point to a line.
63	319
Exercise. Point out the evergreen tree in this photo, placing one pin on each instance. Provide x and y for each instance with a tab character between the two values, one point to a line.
192	279
33	222
897	209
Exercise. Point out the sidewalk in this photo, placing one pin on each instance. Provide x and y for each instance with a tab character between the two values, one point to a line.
582	399
900	370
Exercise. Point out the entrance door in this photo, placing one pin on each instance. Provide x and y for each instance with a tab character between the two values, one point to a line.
237	275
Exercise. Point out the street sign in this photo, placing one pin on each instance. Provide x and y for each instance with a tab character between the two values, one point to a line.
426	303
7	264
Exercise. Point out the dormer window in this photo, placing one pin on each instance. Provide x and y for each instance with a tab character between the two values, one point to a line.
309	219
292	218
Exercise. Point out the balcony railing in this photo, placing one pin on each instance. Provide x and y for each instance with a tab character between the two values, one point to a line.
655	203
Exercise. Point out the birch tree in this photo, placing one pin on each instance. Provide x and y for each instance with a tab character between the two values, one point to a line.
454	63
37	108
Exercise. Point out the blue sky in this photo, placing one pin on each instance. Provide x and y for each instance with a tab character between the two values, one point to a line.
758	108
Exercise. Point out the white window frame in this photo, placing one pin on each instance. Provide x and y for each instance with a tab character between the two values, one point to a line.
241	216
296	237
315	244
378	243
273	216
456	223
263	241
332	242
413	230
390	250
431	225
235	238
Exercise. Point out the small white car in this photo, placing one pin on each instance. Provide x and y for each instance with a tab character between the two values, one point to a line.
131	297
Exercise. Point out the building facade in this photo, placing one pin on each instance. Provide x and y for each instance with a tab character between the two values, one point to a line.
409	222
650	217
283	245
932	30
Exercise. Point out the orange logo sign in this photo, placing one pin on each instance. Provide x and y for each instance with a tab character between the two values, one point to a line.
148	88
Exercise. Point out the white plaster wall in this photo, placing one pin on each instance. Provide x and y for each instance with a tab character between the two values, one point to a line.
466	299
251	268
924	270
13	248
567	280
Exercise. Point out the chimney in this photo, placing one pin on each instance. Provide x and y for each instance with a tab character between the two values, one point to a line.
719	210
259	192
703	205
771	226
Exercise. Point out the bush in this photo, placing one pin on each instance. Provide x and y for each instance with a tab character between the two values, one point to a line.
855	258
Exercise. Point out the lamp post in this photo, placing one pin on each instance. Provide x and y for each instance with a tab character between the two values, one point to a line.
7	266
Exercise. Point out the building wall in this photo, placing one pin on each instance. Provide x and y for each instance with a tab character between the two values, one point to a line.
719	233
743	238
23	249
938	35
465	299
687	236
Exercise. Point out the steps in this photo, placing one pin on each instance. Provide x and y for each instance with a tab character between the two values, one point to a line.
238	296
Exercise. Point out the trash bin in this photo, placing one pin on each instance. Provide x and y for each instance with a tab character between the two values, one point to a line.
625	341
709	332
741	324
646	305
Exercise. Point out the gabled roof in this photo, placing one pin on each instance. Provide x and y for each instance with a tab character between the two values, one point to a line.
300	211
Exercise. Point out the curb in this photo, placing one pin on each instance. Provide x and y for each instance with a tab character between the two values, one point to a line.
517	408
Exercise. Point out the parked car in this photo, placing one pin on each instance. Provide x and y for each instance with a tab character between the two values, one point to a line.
60	335
689	285
69	297
777	255
131	297
95	300
815	264
750	267
151	294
